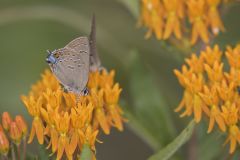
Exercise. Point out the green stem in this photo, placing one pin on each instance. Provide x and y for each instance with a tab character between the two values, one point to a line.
24	148
171	148
3	157
19	152
13	154
192	146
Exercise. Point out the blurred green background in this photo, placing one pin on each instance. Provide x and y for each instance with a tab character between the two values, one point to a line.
143	67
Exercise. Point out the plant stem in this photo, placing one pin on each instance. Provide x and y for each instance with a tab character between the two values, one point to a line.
192	147
24	147
19	152
13	152
3	157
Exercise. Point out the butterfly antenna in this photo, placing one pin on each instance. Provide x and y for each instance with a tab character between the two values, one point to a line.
95	63
49	52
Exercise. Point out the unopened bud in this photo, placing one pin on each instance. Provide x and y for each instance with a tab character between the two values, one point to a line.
15	133
1	128
4	144
6	120
21	125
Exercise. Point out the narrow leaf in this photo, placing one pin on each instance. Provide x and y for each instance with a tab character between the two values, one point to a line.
147	105
171	148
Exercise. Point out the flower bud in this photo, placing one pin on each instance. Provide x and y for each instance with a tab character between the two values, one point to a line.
6	120
1	128
21	125
4	144
15	133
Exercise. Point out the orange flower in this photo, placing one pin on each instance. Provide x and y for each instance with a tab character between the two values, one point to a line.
233	56
174	13
215	73
226	91
195	63
191	100
6	120
152	13
114	111
34	107
4	144
48	115
212	55
67	123
211	98
100	115
89	137
21	125
230	114
196	12
211	91
62	125
167	17
213	16
233	137
15	133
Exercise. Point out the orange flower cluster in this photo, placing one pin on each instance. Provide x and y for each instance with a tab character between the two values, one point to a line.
14	131
69	124
168	17
211	91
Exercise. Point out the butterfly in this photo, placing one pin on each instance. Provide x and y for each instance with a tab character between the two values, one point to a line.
72	63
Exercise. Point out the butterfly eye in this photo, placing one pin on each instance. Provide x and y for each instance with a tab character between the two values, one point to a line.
47	60
51	59
49	52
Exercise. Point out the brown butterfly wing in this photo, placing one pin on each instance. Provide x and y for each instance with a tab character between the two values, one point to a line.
72	67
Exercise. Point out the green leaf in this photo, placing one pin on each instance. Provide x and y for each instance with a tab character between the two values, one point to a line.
86	153
171	148
148	111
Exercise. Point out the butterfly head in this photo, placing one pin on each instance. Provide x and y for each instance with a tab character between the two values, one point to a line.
51	59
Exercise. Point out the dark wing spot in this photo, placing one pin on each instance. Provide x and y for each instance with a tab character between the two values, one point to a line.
56	55
83	51
79	65
70	67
